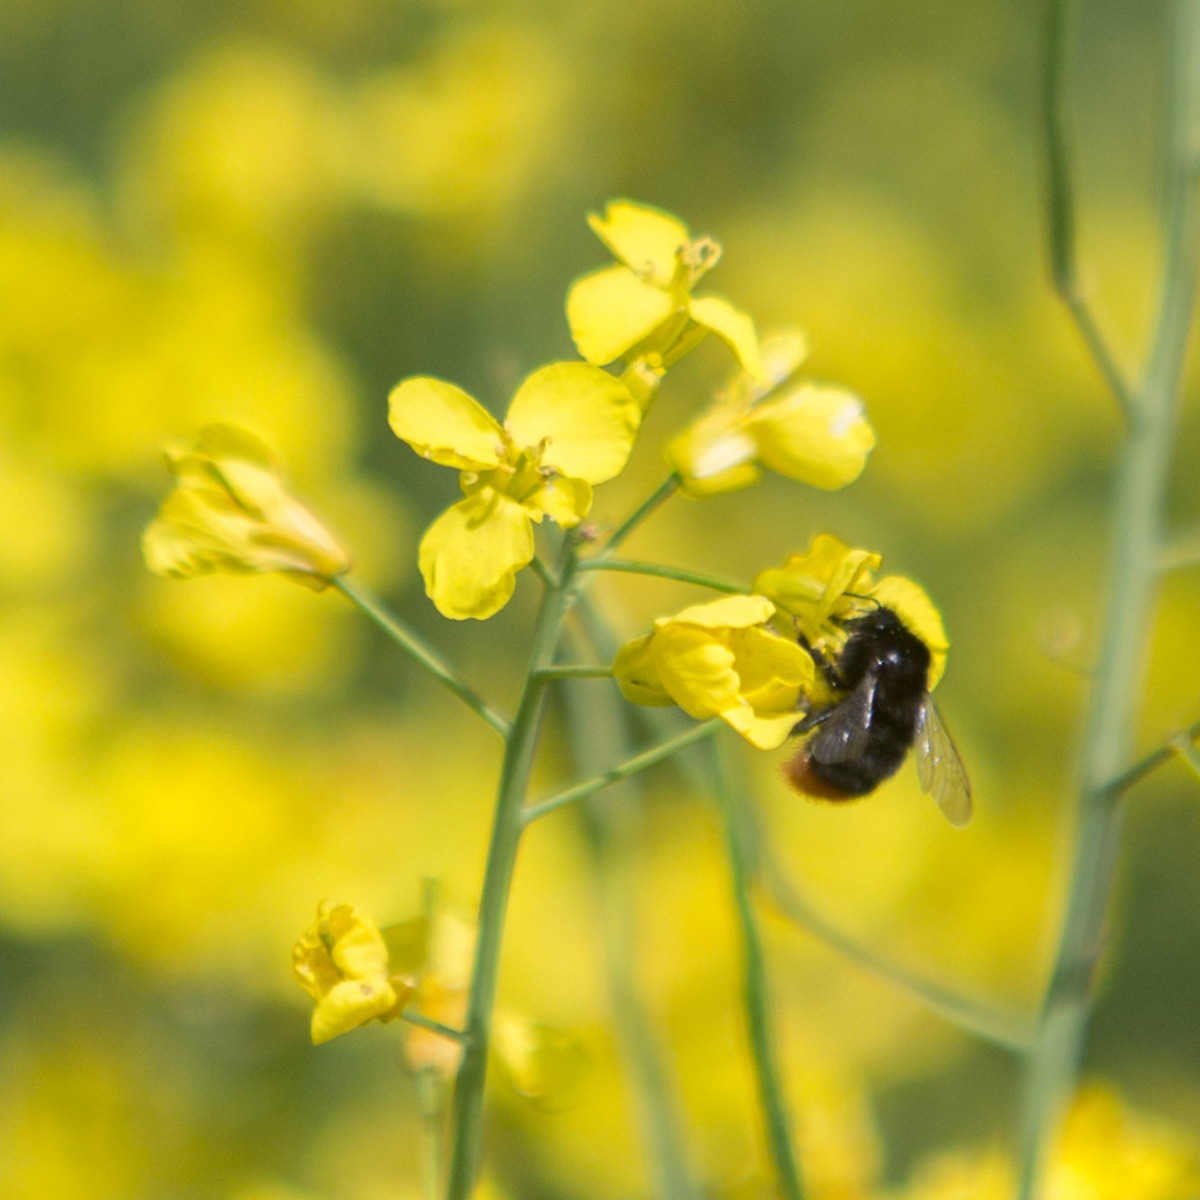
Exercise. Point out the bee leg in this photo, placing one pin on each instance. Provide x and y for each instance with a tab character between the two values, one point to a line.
823	662
811	721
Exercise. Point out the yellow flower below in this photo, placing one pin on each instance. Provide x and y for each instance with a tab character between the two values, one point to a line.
231	512
342	962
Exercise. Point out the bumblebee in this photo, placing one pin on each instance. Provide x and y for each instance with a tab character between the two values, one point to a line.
885	710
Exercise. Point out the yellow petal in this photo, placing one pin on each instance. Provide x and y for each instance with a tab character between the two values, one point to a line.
812	586
611	310
732	326
586	417
715	454
913	606
636	673
645	239
697	670
351	1004
565	501
770	667
818	435
230	511
442	423
470	555
764	733
730	612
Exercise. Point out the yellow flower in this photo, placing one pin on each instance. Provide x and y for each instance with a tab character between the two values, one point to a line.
644	308
231	512
342	962
832	582
803	430
570	425
721	659
1107	1152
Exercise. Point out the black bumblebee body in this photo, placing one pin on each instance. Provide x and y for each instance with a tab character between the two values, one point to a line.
882	672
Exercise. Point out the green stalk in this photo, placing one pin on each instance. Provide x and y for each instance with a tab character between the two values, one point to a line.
678	574
631	766
508	823
414	646
599	732
754	987
986	1021
1060	203
1140	490
656	499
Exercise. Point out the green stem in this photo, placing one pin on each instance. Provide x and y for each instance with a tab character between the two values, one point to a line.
996	1026
754	987
1180	746
1140	490
1180	553
676	573
414	646
1185	748
631	766
430	1097
614	836
508	823
987	1021
655	500
575	671
413	1018
1061	208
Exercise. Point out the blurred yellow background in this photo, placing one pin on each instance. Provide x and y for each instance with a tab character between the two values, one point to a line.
270	213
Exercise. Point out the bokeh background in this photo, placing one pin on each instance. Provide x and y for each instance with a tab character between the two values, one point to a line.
270	212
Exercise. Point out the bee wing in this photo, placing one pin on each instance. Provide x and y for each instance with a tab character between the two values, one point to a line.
846	732
940	770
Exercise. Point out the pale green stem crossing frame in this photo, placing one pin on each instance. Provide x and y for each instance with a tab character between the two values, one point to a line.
1140	487
767	1072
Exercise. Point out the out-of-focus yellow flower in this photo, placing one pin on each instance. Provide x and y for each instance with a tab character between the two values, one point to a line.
570	425
803	430
435	952
342	962
644	308
830	582
231	512
1107	1152
721	659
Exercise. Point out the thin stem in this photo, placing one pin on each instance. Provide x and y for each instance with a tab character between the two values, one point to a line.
507	825
1181	553
446	1031
631	766
1001	1028
614	836
543	572
655	500
1061	209
1181	745
415	646
655	569
1140	489
1185	748
754	990
575	671
430	1097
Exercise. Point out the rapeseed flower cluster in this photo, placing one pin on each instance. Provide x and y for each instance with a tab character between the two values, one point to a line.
747	660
